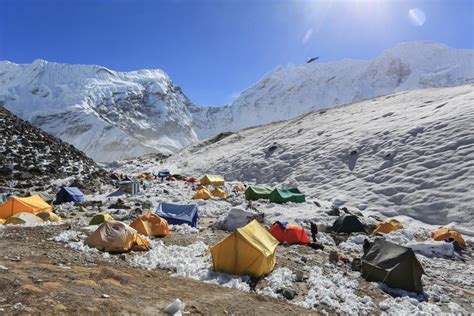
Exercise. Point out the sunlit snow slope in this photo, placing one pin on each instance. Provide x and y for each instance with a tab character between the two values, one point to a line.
113	115
410	153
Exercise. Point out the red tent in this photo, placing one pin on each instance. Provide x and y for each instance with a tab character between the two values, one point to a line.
289	233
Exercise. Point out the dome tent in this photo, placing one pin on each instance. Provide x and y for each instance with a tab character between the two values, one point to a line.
101	218
392	264
289	233
348	224
33	204
151	225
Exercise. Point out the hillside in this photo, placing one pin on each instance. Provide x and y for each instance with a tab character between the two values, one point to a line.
41	161
113	115
407	154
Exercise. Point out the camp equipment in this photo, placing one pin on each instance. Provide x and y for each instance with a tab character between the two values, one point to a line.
219	193
69	194
177	214
281	196
100	218
256	192
151	225
387	227
48	198
33	204
392	264
238	188
289	233
23	218
116	237
203	194
249	250
4	197
447	233
348	224
49	217
237	217
130	187
210	179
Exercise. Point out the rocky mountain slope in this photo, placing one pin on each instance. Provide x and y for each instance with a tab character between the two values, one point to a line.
42	161
114	115
407	154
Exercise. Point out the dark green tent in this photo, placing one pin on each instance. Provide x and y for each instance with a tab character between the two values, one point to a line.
392	264
281	196
256	192
348	224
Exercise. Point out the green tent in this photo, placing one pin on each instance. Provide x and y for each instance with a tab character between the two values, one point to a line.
392	264
48	198
281	196
256	192
101	218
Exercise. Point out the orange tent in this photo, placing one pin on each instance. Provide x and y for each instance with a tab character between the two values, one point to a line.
219	193
289	233
203	194
32	204
151	225
444	233
388	226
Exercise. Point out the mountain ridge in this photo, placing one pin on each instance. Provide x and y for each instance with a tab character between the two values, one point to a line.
114	115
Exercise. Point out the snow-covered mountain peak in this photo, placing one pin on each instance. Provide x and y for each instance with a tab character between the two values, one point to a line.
114	115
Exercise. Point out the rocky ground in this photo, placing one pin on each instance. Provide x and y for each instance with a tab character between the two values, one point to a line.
40	160
50	269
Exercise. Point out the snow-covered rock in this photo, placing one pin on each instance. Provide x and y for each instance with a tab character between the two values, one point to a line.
113	115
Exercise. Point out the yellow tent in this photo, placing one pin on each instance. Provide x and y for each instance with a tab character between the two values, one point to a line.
2	221
23	218
444	233
219	193
32	204
49	217
100	218
203	194
210	179
151	225
249	250
116	237
388	226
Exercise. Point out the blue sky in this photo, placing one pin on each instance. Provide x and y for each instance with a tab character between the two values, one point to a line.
214	49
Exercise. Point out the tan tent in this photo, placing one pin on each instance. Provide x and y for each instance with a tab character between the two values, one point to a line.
202	195
151	225
249	250
387	226
49	217
210	179
446	233
116	237
23	218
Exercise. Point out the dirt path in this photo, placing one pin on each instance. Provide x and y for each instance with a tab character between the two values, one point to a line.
44	276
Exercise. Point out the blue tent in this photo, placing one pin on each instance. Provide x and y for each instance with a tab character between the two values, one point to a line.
69	194
177	214
164	173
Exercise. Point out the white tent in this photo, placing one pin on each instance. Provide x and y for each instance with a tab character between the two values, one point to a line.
237	217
